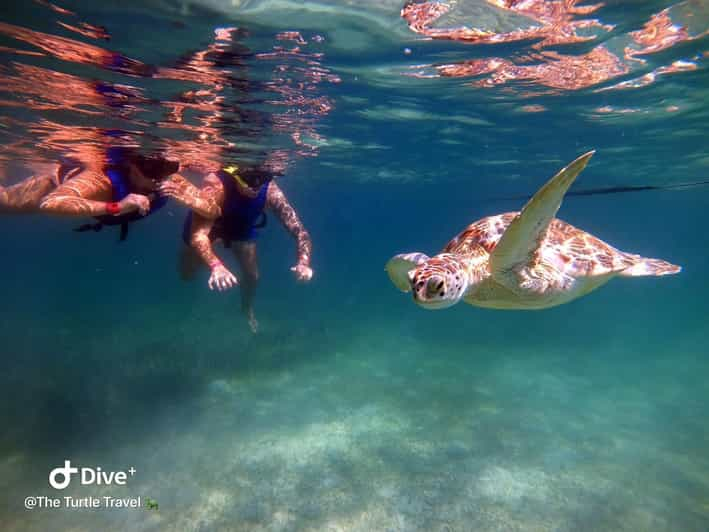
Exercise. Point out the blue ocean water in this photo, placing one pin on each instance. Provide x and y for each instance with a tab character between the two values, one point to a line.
352	408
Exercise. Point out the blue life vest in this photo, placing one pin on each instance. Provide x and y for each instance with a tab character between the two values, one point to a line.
121	187
241	215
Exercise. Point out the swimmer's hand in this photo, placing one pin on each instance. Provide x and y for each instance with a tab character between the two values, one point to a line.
179	189
204	202
302	272
134	202
221	278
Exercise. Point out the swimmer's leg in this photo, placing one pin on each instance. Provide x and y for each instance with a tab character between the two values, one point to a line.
248	262
25	197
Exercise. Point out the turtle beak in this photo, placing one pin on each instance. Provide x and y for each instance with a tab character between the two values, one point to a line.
435	286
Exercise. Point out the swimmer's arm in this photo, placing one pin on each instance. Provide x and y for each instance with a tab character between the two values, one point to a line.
205	202
199	240
220	278
278	203
74	206
82	195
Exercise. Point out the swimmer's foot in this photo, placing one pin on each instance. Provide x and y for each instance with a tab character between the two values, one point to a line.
253	324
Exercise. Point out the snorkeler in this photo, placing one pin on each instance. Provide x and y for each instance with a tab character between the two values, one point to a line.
124	191
230	207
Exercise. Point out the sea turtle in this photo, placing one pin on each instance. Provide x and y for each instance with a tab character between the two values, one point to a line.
520	260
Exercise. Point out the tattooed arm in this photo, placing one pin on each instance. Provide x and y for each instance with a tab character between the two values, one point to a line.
278	203
206	202
89	194
220	278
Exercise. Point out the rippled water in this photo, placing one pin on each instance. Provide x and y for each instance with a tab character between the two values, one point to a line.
197	80
391	125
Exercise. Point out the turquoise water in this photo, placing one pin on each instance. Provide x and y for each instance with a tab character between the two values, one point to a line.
352	408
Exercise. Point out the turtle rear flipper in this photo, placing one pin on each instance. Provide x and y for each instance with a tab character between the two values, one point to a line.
399	266
523	236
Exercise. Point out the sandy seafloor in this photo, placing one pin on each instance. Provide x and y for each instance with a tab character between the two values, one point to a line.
384	433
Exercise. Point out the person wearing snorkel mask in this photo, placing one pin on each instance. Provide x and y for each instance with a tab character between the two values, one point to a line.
230	207
121	192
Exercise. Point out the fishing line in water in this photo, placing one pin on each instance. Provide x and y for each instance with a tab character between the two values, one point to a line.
616	190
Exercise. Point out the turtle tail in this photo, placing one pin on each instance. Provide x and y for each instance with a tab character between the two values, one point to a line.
641	266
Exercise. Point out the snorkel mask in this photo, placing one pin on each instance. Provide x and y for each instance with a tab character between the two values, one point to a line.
249	180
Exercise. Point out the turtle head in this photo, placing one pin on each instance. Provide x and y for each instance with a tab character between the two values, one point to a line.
439	282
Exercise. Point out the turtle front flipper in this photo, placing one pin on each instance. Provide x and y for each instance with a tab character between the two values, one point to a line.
399	266
523	236
642	266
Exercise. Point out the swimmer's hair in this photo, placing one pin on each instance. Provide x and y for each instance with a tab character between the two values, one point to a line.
255	176
157	167
154	166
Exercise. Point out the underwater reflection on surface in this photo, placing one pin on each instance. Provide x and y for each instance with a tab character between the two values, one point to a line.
549	24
